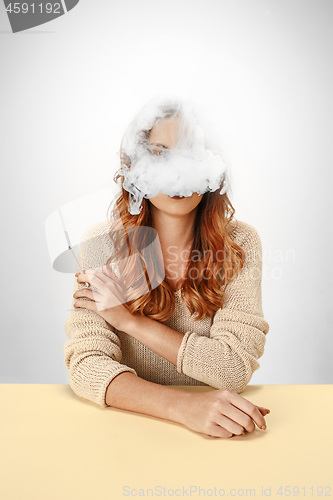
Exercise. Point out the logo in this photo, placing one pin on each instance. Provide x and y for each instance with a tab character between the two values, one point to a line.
25	15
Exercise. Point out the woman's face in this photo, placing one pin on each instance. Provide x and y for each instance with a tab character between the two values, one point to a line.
163	135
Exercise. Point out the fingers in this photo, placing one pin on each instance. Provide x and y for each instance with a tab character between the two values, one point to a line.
90	273
247	407
85	292
85	304
83	278
238	417
263	410
108	292
230	425
218	431
115	281
97	278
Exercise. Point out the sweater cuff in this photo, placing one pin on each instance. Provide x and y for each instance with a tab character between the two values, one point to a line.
181	350
102	395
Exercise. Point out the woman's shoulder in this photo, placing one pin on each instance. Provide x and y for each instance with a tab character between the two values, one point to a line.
96	230
244	234
96	245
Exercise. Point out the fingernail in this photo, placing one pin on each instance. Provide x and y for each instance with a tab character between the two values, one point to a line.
77	274
264	427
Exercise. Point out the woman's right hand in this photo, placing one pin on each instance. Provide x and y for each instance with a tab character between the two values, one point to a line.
221	413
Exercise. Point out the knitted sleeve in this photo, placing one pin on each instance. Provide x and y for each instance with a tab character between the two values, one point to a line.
92	354
228	358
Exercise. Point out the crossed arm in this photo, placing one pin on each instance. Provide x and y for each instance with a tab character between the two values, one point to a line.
158	337
227	358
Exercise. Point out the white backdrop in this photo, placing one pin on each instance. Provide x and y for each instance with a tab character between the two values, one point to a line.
69	89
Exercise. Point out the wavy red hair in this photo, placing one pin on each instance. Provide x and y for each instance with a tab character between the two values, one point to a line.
203	294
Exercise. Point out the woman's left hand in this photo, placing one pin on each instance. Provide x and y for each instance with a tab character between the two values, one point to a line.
107	301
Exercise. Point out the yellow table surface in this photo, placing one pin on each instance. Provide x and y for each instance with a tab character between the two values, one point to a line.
55	445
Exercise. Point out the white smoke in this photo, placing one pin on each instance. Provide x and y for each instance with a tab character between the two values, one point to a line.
194	164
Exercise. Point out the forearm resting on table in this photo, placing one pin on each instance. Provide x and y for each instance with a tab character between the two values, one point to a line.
130	392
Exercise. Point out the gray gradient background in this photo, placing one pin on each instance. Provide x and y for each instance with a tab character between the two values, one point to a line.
68	89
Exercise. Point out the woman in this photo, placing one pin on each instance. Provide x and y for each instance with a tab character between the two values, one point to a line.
202	324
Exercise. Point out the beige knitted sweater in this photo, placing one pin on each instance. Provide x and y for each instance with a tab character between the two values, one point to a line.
221	352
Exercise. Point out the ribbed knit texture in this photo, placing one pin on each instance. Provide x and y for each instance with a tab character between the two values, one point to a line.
221	352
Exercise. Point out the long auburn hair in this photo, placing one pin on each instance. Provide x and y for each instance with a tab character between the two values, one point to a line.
204	293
